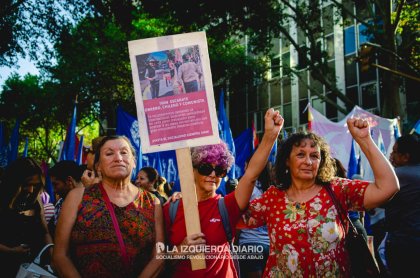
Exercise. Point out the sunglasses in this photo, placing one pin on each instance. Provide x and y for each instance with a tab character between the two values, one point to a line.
207	169
89	150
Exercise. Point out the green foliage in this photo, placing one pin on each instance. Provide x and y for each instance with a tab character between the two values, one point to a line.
32	102
407	29
81	49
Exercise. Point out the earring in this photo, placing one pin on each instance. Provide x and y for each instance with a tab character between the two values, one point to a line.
287	171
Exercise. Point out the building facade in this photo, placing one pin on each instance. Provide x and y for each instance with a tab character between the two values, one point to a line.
341	38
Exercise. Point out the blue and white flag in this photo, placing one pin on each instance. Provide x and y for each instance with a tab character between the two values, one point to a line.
416	128
273	153
128	126
397	133
381	144
164	162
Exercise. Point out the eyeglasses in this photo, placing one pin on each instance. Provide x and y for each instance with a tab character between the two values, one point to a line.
207	169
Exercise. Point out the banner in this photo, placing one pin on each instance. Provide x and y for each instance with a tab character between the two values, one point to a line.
339	139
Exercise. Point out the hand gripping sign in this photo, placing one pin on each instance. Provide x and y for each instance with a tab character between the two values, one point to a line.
176	112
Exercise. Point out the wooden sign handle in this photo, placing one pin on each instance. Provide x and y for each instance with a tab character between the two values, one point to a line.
189	200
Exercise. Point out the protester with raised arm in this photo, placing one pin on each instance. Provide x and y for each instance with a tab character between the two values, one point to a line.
211	163
306	234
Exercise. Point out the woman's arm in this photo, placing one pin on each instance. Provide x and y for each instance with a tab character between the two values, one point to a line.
273	124
61	261
155	265
386	182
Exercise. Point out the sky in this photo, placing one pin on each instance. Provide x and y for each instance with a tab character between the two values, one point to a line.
25	66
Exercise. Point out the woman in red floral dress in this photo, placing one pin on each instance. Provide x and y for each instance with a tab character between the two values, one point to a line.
306	236
86	241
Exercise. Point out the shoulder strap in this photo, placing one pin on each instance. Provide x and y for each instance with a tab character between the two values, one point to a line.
341	211
173	208
116	226
225	219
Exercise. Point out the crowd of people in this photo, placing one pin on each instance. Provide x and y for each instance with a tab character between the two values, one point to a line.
104	224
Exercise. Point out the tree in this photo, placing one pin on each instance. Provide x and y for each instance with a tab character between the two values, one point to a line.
264	20
33	104
30	27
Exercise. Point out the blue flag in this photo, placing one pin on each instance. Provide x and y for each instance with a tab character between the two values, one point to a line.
79	158
397	133
273	153
128	126
69	146
25	150
165	161
416	128
245	143
381	144
14	142
225	132
352	168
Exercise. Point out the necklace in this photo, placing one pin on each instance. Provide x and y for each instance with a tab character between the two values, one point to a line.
303	196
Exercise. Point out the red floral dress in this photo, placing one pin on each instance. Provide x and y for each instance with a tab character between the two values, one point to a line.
95	248
306	239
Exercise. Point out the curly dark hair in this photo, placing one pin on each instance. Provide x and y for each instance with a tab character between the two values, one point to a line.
326	170
409	144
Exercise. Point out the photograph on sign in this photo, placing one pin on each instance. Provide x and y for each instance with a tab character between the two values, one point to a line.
173	92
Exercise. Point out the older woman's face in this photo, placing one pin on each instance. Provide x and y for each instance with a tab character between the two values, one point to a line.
304	160
116	161
206	183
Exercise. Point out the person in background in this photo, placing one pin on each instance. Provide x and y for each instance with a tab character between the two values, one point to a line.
86	236
210	164
150	74
231	185
168	187
256	239
91	175
307	238
354	216
148	178
189	73
65	175
402	213
24	230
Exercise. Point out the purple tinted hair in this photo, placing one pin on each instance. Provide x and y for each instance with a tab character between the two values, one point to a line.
214	154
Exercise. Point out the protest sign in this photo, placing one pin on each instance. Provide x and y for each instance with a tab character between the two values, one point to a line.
174	92
175	105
